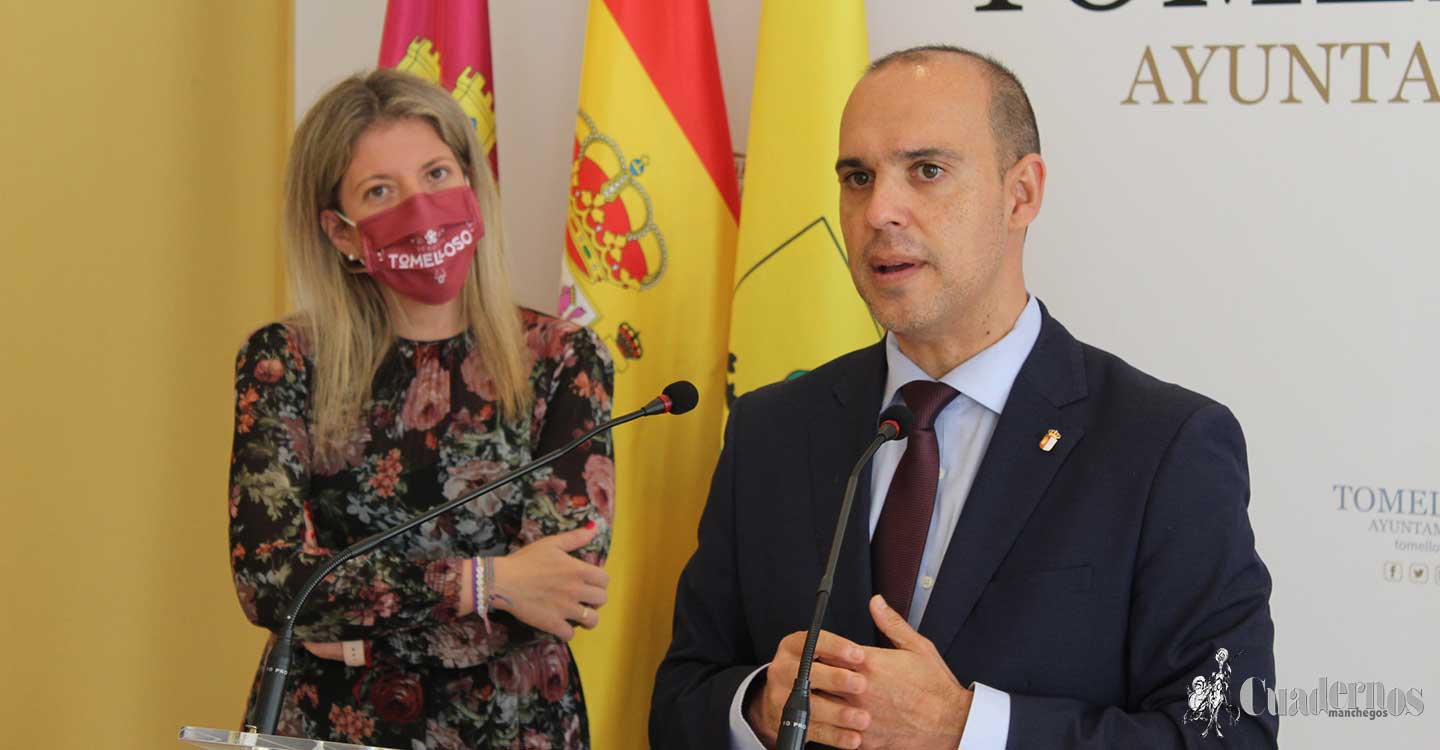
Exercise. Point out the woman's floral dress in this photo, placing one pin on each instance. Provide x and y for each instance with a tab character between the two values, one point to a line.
431	432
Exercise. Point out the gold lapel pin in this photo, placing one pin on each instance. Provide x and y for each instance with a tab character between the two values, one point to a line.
1048	442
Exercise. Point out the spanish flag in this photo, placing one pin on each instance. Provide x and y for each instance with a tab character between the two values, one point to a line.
794	305
447	42
649	258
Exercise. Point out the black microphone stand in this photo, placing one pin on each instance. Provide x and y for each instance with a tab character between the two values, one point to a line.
277	663
795	718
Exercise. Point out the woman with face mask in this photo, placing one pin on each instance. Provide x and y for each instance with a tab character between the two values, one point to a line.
408	377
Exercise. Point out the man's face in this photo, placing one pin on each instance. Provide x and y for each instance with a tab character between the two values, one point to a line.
922	202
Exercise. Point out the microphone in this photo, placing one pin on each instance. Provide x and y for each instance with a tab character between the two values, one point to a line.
677	398
895	424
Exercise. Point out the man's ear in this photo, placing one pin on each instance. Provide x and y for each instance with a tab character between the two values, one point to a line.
1025	190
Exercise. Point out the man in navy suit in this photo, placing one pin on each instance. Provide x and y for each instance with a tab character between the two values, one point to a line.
1056	553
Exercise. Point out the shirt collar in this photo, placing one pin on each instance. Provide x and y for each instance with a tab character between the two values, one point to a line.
985	378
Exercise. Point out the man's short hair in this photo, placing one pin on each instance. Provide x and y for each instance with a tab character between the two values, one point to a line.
1012	119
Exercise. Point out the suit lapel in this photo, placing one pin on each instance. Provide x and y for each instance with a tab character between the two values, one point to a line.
1012	478
833	452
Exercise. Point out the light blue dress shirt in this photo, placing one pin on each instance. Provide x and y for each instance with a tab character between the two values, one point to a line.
963	429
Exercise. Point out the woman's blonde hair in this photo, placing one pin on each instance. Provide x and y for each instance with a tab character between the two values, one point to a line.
342	314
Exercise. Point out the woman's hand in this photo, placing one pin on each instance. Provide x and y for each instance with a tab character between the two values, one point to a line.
352	653
543	586
334	650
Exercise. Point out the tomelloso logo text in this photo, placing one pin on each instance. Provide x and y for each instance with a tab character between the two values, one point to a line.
435	255
1368	70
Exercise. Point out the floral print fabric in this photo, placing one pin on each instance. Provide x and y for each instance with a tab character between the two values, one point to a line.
431	432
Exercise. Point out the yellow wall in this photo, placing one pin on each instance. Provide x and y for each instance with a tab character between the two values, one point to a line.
141	146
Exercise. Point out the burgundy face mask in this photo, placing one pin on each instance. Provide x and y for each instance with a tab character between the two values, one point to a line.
422	248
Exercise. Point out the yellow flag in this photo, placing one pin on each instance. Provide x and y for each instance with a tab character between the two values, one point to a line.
649	263
794	306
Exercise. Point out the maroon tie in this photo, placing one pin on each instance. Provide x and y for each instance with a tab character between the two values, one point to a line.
899	539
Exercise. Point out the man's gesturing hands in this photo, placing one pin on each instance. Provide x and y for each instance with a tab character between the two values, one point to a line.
901	697
834	682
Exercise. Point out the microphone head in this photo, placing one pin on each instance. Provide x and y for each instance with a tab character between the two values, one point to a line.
896	422
682	396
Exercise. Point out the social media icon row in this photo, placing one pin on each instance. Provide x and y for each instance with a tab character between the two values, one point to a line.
1413	572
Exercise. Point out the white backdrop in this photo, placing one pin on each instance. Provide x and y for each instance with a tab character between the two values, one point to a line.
1278	256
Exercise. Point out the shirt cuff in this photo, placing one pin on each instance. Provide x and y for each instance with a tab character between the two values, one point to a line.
988	726
742	737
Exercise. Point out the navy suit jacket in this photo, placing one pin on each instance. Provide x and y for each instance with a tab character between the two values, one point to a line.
1092	582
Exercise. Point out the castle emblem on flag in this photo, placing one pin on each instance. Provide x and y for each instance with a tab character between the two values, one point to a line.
421	59
470	94
611	236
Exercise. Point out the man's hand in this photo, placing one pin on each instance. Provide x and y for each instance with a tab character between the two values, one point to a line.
834	684
915	701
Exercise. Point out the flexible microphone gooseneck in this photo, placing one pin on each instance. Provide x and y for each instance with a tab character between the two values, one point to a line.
895	424
677	398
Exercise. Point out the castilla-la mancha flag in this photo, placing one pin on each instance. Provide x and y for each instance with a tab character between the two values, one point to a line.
649	260
447	42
